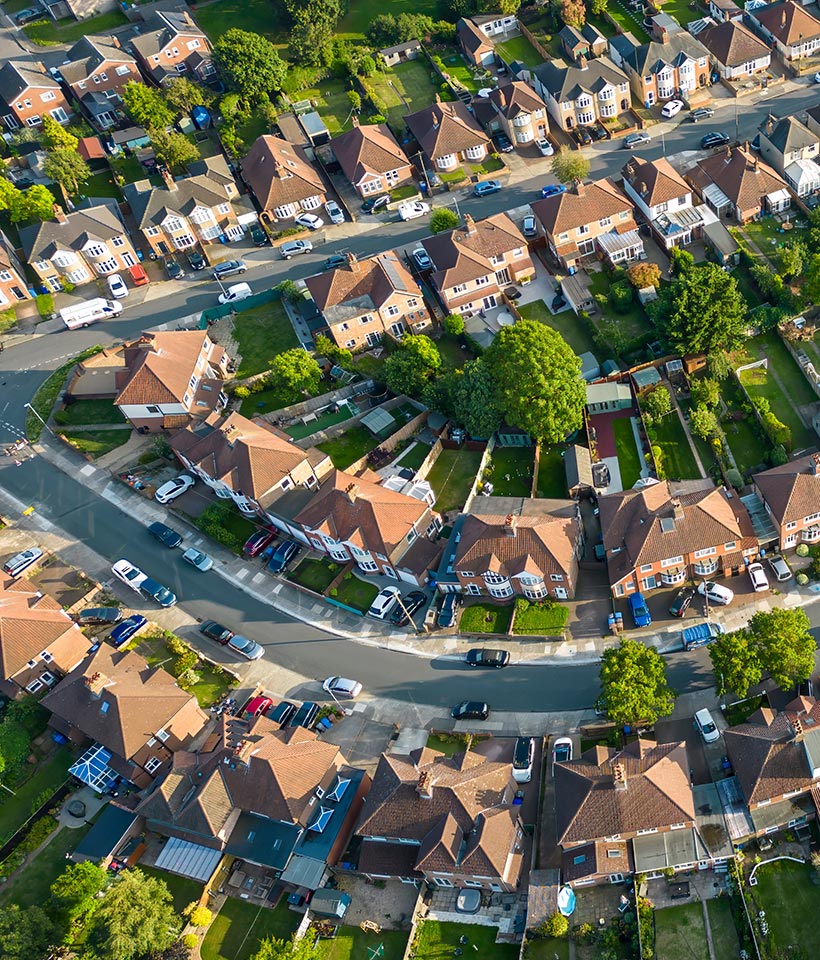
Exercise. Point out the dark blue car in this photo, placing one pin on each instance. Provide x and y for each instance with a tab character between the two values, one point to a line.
124	631
282	555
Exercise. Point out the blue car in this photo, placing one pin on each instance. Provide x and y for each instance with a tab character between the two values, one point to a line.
156	591
282	555
124	631
639	610
489	186
553	190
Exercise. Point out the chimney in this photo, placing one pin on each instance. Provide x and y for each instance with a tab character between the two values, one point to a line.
355	120
677	509
352	491
424	785
167	179
353	262
509	525
580	189
438	98
96	683
799	732
59	215
814	467
582	61
469	226
619	776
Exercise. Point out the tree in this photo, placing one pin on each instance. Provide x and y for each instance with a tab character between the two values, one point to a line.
37	203
275	949
644	274
633	682
476	400
597	7
573	13
297	370
74	892
441	394
454	324
785	646
173	149
409	368
355	99
310	42
67	168
792	258
182	95
199	916
569	165
56	135
146	106
418	26
556	925
26	934
443	219
249	63
538	380
706	392
811	278
704	422
135	918
656	404
701	310
680	261
736	662
383	30
14	745
717	363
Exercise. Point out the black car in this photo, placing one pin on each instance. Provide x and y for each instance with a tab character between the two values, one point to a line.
229	268
99	615
215	631
712	140
410	604
337	260
165	535
470	710
599	132
258	235
372	204
559	302
582	136
680	604
701	113
282	555
503	142
29	15
305	715
282	713
447	614
173	269
197	261
485	657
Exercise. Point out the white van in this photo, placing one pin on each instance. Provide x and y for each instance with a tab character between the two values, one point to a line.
84	314
706	725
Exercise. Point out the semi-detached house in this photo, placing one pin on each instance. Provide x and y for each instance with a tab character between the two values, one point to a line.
97	71
13	285
581	95
448	134
282	179
789	27
677	66
28	93
371	159
791	496
172	45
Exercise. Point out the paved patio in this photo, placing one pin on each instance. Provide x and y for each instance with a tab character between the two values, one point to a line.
389	903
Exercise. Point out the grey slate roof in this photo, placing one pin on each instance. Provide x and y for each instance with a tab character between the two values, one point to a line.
652	57
16	78
568	83
98	222
787	134
161	28
89	53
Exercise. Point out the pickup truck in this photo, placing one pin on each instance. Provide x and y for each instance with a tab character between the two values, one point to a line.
701	634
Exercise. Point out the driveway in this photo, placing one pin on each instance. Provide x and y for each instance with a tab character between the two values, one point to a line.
675	730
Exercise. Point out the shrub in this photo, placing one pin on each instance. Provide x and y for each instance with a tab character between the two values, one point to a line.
242	392
778	432
454	324
190	940
556	925
778	456
521	604
200	917
734	478
620	296
802	579
45	304
39	832
644	274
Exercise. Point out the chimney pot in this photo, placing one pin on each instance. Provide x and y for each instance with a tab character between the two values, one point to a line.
469	225
619	775
59	213
815	465
424	785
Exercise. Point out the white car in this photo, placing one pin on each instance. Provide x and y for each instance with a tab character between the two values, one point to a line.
235	293
334	212
706	726
342	687
383	603
760	581
174	488
117	287
523	756
672	109
716	593
130	575
546	148
309	220
413	209
817	78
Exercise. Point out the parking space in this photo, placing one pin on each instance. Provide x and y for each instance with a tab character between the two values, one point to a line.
683	728
500	749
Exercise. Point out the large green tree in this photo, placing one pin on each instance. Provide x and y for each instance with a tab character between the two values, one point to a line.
701	310
67	168
146	106
182	95
569	165
476	400
249	63
273	948
412	365
56	135
633	683
173	149
74	892
443	219
297	370
656	404
37	204
538	380
26	934
736	662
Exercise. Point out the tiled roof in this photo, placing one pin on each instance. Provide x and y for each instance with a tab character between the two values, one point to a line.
369	282
584	203
159	366
589	806
513	99
787	134
164	26
15	78
279	173
593	859
655	181
367	149
793	490
463	254
732	44
100	221
654	57
568	83
740	175
388	859
471	37
445	128
788	22
91	52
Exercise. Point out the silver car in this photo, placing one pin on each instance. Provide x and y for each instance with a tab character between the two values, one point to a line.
248	648
780	568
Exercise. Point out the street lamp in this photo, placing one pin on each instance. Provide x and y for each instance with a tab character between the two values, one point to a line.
28	406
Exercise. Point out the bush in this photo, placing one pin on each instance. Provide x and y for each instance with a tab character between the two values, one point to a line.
241	392
778	432
644	274
39	832
620	296
45	304
200	916
802	579
190	940
454	324
556	925
778	456
521	604
734	478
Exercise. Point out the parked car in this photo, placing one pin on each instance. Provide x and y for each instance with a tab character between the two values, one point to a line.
20	562
410	604
636	140
342	687
486	188
334	262
174	488
215	631
126	630
305	715
383	603
470	710
259	236
258	541
582	136
309	220
486	656
639	610
757	575
701	113
672	108
716	593
249	649
559	303
712	140
138	275
545	148
523	756
292	248
553	190
780	568
153	590
680	604
173	269
374	204
334	212
196	261
99	615
282	713
447	615
29	15
413	209
116	286
599	132
235	293
166	536
700	634
257	707
503	142
528	227
198	559
423	261
130	575
706	726
561	751
229	268
282	555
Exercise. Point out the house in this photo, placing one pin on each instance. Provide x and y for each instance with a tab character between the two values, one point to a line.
813	119
79	9
520	112
665	200
514	547
97	72
248	461
784	141
172	45
579	96
736	52
608	396
586	42
366	299
592	218
790	496
624	812
39	642
674	67
401	53
202	208
169	378
356	518
621	46
448	134
472	264
135	716
282	178
474	44
79	246
448	820
670	532
736	184
281	799
793	32
371	159
725	10
27	92
13	285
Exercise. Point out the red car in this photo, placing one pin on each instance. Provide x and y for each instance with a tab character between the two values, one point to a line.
138	275
257	706
258	541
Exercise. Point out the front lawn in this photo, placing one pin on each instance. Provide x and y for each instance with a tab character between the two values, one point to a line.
239	926
552	477
791	901
349	446
566	323
356	593
541	619
519	48
724	932
212	683
437	940
678	462
351	943
452	477
261	333
510	471
629	460
87	412
49	775
680	934
46	396
33	884
315	575
47	33
485	618
96	443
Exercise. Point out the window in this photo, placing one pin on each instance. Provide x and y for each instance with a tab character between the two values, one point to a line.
223	208
5	275
482	281
173	224
706	552
123	70
59	115
605	222
583	230
193	44
118	242
613	854
152	765
185	240
392	310
163	735
731	545
615	836
106	266
642	833
33	121
151	408
363	321
556	578
48	96
151	231
82	84
95	250
95	78
34	686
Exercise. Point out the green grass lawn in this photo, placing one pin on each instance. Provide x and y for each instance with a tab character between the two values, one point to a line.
268	400
257	16
351	943
361	12
566	323
129	168
314	574
46	396
743	435
256	127
791	901
680	934
547	949
537	619
485	618
261	333
50	774
634	324
182	889
724	933
759	383
629	459
332	104
96	443
211	686
300	430
438	940
552	477
770	345
678	461
453	354
406	89
452	477
33	884
47	33
447	743
519	48
349	446
101	184
457	67
356	593
511	470
239	926
87	412
414	456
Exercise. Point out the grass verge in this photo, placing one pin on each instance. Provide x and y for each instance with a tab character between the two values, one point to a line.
42	403
96	443
356	593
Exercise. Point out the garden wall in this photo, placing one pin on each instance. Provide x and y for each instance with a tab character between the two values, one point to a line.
312	404
815	385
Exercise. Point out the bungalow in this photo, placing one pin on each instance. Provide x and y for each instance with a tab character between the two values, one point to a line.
790	28
736	52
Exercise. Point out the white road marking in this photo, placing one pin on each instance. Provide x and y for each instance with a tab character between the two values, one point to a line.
241	574
258	578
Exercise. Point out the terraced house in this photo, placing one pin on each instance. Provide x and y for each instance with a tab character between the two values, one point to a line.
671	532
97	72
282	179
371	159
365	300
172	45
791	495
448	134
28	93
581	95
